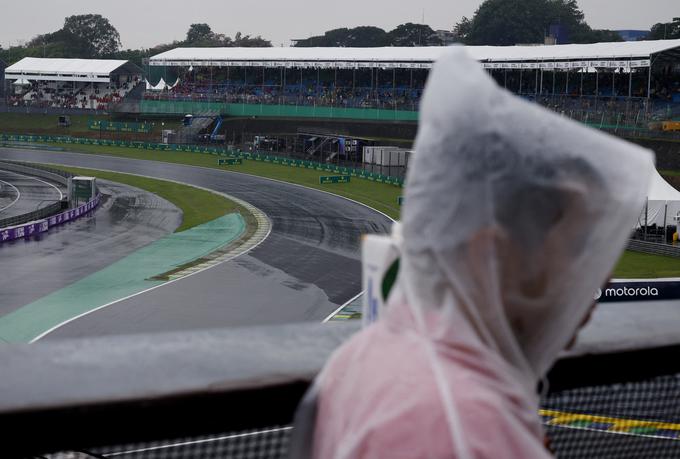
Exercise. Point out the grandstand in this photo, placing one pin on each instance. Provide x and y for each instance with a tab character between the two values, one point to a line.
89	84
640	79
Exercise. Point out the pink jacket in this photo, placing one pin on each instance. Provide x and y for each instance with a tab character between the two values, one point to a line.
383	375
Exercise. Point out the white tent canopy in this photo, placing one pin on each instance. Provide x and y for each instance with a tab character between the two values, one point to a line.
21	82
47	69
161	85
620	54
662	201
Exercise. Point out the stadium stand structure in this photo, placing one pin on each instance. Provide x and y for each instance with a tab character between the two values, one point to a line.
90	84
607	84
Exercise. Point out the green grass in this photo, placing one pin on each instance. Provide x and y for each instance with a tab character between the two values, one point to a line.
198	206
634	265
380	196
23	123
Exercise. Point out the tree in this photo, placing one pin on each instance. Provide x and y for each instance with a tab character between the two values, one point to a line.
91	35
246	41
361	37
411	34
665	30
510	22
199	33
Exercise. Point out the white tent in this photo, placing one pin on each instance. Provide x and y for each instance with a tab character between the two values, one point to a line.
663	203
175	84
160	86
22	82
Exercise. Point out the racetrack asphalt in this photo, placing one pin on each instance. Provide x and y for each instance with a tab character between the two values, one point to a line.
21	194
306	268
50	261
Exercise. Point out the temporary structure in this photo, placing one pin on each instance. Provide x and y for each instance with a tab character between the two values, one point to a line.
663	204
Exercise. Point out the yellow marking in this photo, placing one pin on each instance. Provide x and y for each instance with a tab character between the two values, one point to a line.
619	425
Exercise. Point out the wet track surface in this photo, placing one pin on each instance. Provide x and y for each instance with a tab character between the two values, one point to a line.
127	219
306	268
21	194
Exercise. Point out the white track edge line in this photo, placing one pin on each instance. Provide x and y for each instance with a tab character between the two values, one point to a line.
232	172
195	442
17	198
240	201
61	195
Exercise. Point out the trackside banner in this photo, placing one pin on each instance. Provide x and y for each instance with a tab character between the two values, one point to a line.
29	229
639	290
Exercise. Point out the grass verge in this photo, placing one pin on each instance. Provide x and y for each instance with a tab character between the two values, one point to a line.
380	196
198	206
635	265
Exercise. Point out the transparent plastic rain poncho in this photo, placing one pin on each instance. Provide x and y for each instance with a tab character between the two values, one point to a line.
513	218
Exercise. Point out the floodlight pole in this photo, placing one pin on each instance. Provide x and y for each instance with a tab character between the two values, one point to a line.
630	80
649	80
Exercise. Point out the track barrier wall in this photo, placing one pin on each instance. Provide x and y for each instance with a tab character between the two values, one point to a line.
229	153
32	228
163	107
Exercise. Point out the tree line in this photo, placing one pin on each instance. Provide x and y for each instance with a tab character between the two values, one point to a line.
495	22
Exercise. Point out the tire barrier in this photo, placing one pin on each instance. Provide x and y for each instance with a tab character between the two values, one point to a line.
230	153
32	228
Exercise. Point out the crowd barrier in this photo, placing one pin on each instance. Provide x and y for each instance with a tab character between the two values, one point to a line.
231	153
163	107
40	226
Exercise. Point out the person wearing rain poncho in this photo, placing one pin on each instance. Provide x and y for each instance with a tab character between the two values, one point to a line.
513	218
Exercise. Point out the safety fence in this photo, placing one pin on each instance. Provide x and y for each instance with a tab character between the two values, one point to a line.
42	225
233	394
217	151
162	107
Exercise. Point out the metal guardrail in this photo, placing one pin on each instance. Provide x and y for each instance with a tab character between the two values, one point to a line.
39	214
38	171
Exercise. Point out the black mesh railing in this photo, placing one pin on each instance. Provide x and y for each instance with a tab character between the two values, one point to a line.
618	405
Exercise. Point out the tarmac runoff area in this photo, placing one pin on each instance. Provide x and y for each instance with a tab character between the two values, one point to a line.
21	194
304	270
123	278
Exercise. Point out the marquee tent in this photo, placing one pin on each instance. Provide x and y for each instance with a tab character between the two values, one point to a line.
663	203
76	70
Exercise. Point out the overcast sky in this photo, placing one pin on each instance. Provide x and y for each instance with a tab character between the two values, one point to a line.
145	23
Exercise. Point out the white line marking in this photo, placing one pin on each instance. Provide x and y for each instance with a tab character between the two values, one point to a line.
611	432
240	201
17	198
330	316
61	195
118	158
196	442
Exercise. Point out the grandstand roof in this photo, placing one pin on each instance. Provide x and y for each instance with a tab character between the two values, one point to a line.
47	69
423	57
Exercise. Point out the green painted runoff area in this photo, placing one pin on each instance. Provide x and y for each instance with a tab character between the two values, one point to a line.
121	279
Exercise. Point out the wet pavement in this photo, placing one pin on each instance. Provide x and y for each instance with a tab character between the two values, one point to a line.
21	194
126	220
306	268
